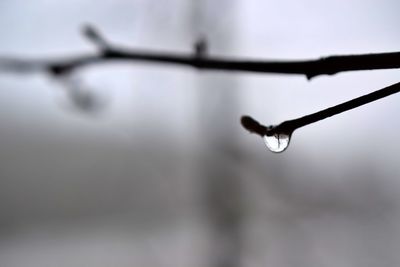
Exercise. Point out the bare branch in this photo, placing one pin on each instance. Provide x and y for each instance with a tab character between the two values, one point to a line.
288	127
201	60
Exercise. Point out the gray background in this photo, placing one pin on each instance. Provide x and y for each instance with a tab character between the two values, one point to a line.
164	175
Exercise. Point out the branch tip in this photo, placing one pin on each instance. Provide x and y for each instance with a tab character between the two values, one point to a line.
253	126
95	37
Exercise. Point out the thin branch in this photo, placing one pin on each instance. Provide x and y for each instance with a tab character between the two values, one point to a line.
288	127
200	60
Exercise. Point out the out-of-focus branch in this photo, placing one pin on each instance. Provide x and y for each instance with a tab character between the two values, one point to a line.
200	60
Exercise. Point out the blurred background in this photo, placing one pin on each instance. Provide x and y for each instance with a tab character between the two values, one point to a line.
163	174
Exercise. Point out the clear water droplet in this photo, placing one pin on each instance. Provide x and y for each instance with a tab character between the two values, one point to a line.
277	142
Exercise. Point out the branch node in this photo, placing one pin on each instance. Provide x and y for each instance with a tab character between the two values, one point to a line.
58	70
200	47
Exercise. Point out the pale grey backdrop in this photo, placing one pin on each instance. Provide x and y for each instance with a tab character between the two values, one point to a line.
126	186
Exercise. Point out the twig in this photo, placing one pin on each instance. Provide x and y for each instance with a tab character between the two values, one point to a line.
288	127
200	60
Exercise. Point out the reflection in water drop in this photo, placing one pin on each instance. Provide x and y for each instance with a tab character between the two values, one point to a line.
277	142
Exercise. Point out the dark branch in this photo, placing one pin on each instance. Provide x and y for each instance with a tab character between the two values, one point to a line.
289	126
201	60
310	68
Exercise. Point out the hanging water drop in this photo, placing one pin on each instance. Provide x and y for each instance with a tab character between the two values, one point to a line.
276	137
277	142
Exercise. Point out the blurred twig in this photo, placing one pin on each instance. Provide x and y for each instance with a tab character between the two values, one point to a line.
200	60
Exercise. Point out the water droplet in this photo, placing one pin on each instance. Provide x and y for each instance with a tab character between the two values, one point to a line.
277	142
